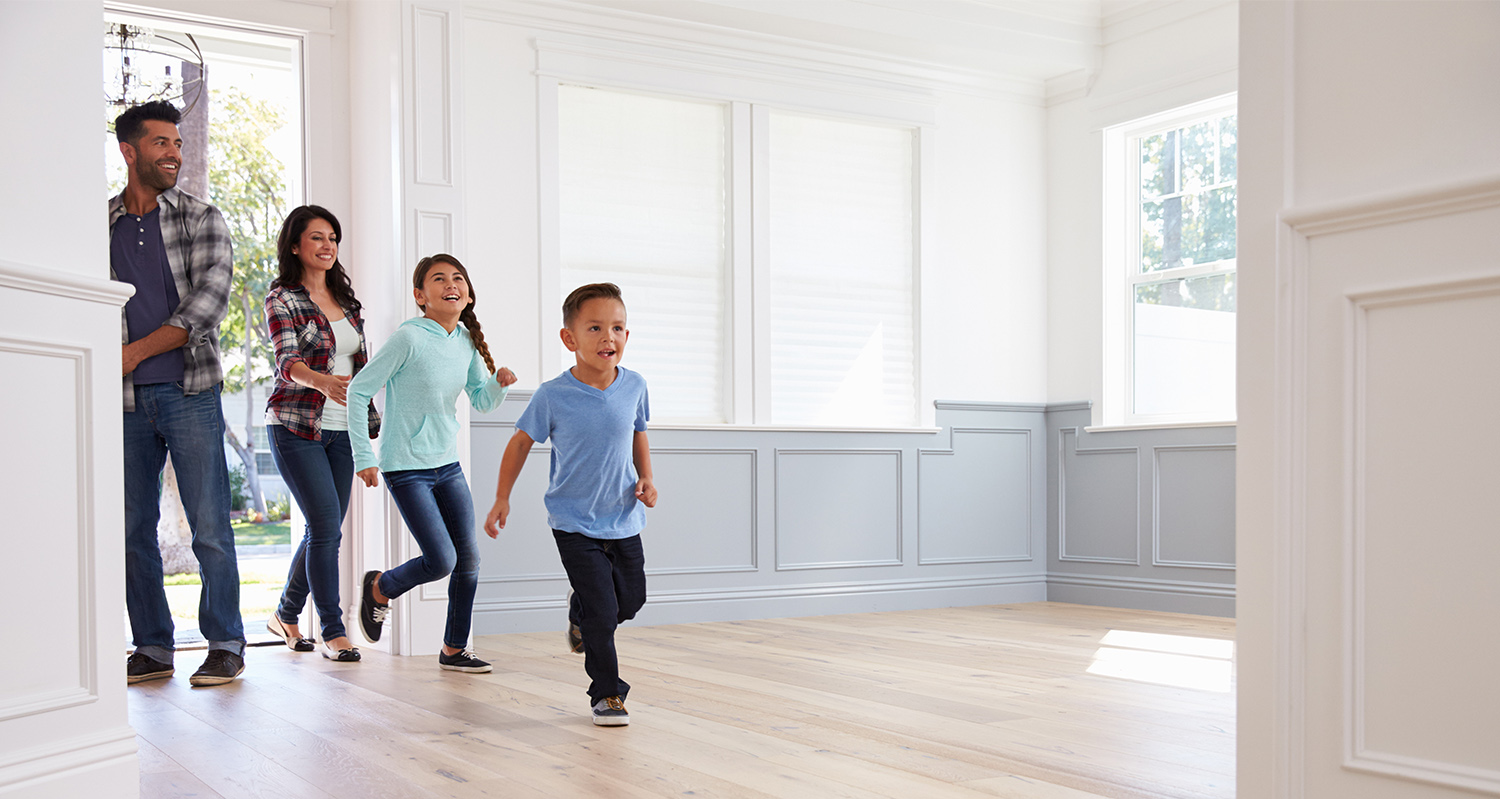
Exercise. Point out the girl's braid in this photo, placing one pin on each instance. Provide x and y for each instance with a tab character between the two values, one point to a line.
476	336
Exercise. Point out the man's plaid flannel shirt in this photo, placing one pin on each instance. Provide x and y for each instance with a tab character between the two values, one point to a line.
301	333
201	256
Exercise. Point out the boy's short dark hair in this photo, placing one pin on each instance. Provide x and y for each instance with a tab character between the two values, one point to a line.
582	294
130	125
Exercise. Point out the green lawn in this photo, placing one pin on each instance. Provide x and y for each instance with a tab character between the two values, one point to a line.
246	534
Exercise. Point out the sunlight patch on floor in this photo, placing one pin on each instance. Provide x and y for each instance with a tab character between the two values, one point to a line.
1201	664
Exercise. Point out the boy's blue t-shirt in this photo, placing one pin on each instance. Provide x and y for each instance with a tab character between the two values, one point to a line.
592	485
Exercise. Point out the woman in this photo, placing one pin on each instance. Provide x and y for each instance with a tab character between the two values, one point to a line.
423	368
320	345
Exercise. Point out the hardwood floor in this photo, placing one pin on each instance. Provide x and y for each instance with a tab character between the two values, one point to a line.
959	702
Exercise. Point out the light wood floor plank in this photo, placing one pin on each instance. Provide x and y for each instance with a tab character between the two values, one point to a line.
958	703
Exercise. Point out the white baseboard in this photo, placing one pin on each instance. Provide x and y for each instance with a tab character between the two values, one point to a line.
102	764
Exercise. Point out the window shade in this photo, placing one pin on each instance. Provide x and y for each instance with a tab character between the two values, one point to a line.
642	205
841	263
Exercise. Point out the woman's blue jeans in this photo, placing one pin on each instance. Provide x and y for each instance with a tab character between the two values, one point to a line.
191	429
319	475
439	511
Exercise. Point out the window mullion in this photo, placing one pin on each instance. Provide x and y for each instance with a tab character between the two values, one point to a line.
741	327
760	293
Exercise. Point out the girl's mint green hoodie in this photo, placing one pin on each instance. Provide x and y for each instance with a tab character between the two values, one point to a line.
423	368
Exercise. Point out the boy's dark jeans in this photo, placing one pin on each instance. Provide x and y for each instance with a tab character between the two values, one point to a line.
609	585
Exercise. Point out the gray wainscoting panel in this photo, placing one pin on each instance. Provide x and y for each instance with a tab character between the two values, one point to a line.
1194	507
838	508
1181	493
976	499
1002	502
708	522
524	551
1100	488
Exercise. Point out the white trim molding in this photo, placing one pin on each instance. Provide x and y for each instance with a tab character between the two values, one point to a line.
87	691
1296	227
1358	754
1444	199
68	757
64	284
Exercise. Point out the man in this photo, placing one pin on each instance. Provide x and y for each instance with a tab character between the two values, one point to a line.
175	250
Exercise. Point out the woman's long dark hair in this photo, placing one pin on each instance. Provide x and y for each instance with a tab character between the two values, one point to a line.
471	322
290	266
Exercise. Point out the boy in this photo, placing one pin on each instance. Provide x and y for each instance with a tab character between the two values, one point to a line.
596	414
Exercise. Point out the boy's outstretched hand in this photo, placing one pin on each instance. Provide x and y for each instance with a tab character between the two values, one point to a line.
496	520
645	491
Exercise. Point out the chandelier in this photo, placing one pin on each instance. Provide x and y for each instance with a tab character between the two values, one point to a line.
152	66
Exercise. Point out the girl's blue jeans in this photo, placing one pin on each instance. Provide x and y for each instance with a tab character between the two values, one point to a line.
319	475
439	511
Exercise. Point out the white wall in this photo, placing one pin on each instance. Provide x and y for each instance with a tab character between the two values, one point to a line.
1156	57
63	726
1370	291
984	277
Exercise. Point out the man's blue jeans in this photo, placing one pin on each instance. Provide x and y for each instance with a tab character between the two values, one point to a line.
609	586
319	474
191	429
439	511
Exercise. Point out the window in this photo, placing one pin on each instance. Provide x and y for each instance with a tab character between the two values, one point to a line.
842	343
815	322
641	190
1170	267
265	463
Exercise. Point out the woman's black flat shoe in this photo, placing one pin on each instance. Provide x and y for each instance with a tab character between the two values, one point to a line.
276	627
350	655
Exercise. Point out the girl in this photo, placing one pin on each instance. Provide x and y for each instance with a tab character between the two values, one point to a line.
424	366
320	344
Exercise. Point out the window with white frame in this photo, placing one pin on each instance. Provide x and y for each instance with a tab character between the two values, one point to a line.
815	324
842	338
641	195
1170	267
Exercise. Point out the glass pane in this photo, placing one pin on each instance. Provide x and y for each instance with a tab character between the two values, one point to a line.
1157	170
1198	155
841	305
1184	347
1161	234
1228	156
642	204
1208	233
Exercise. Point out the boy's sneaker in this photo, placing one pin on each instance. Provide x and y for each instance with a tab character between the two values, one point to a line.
575	635
463	661
372	614
610	712
140	668
220	667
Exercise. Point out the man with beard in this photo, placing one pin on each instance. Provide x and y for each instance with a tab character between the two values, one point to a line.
175	249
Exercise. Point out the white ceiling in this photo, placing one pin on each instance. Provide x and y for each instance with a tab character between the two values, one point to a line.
1024	39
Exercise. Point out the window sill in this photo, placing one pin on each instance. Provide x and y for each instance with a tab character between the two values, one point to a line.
749	428
1125	428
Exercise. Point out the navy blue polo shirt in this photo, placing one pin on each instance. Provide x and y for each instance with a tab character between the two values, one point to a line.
139	258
